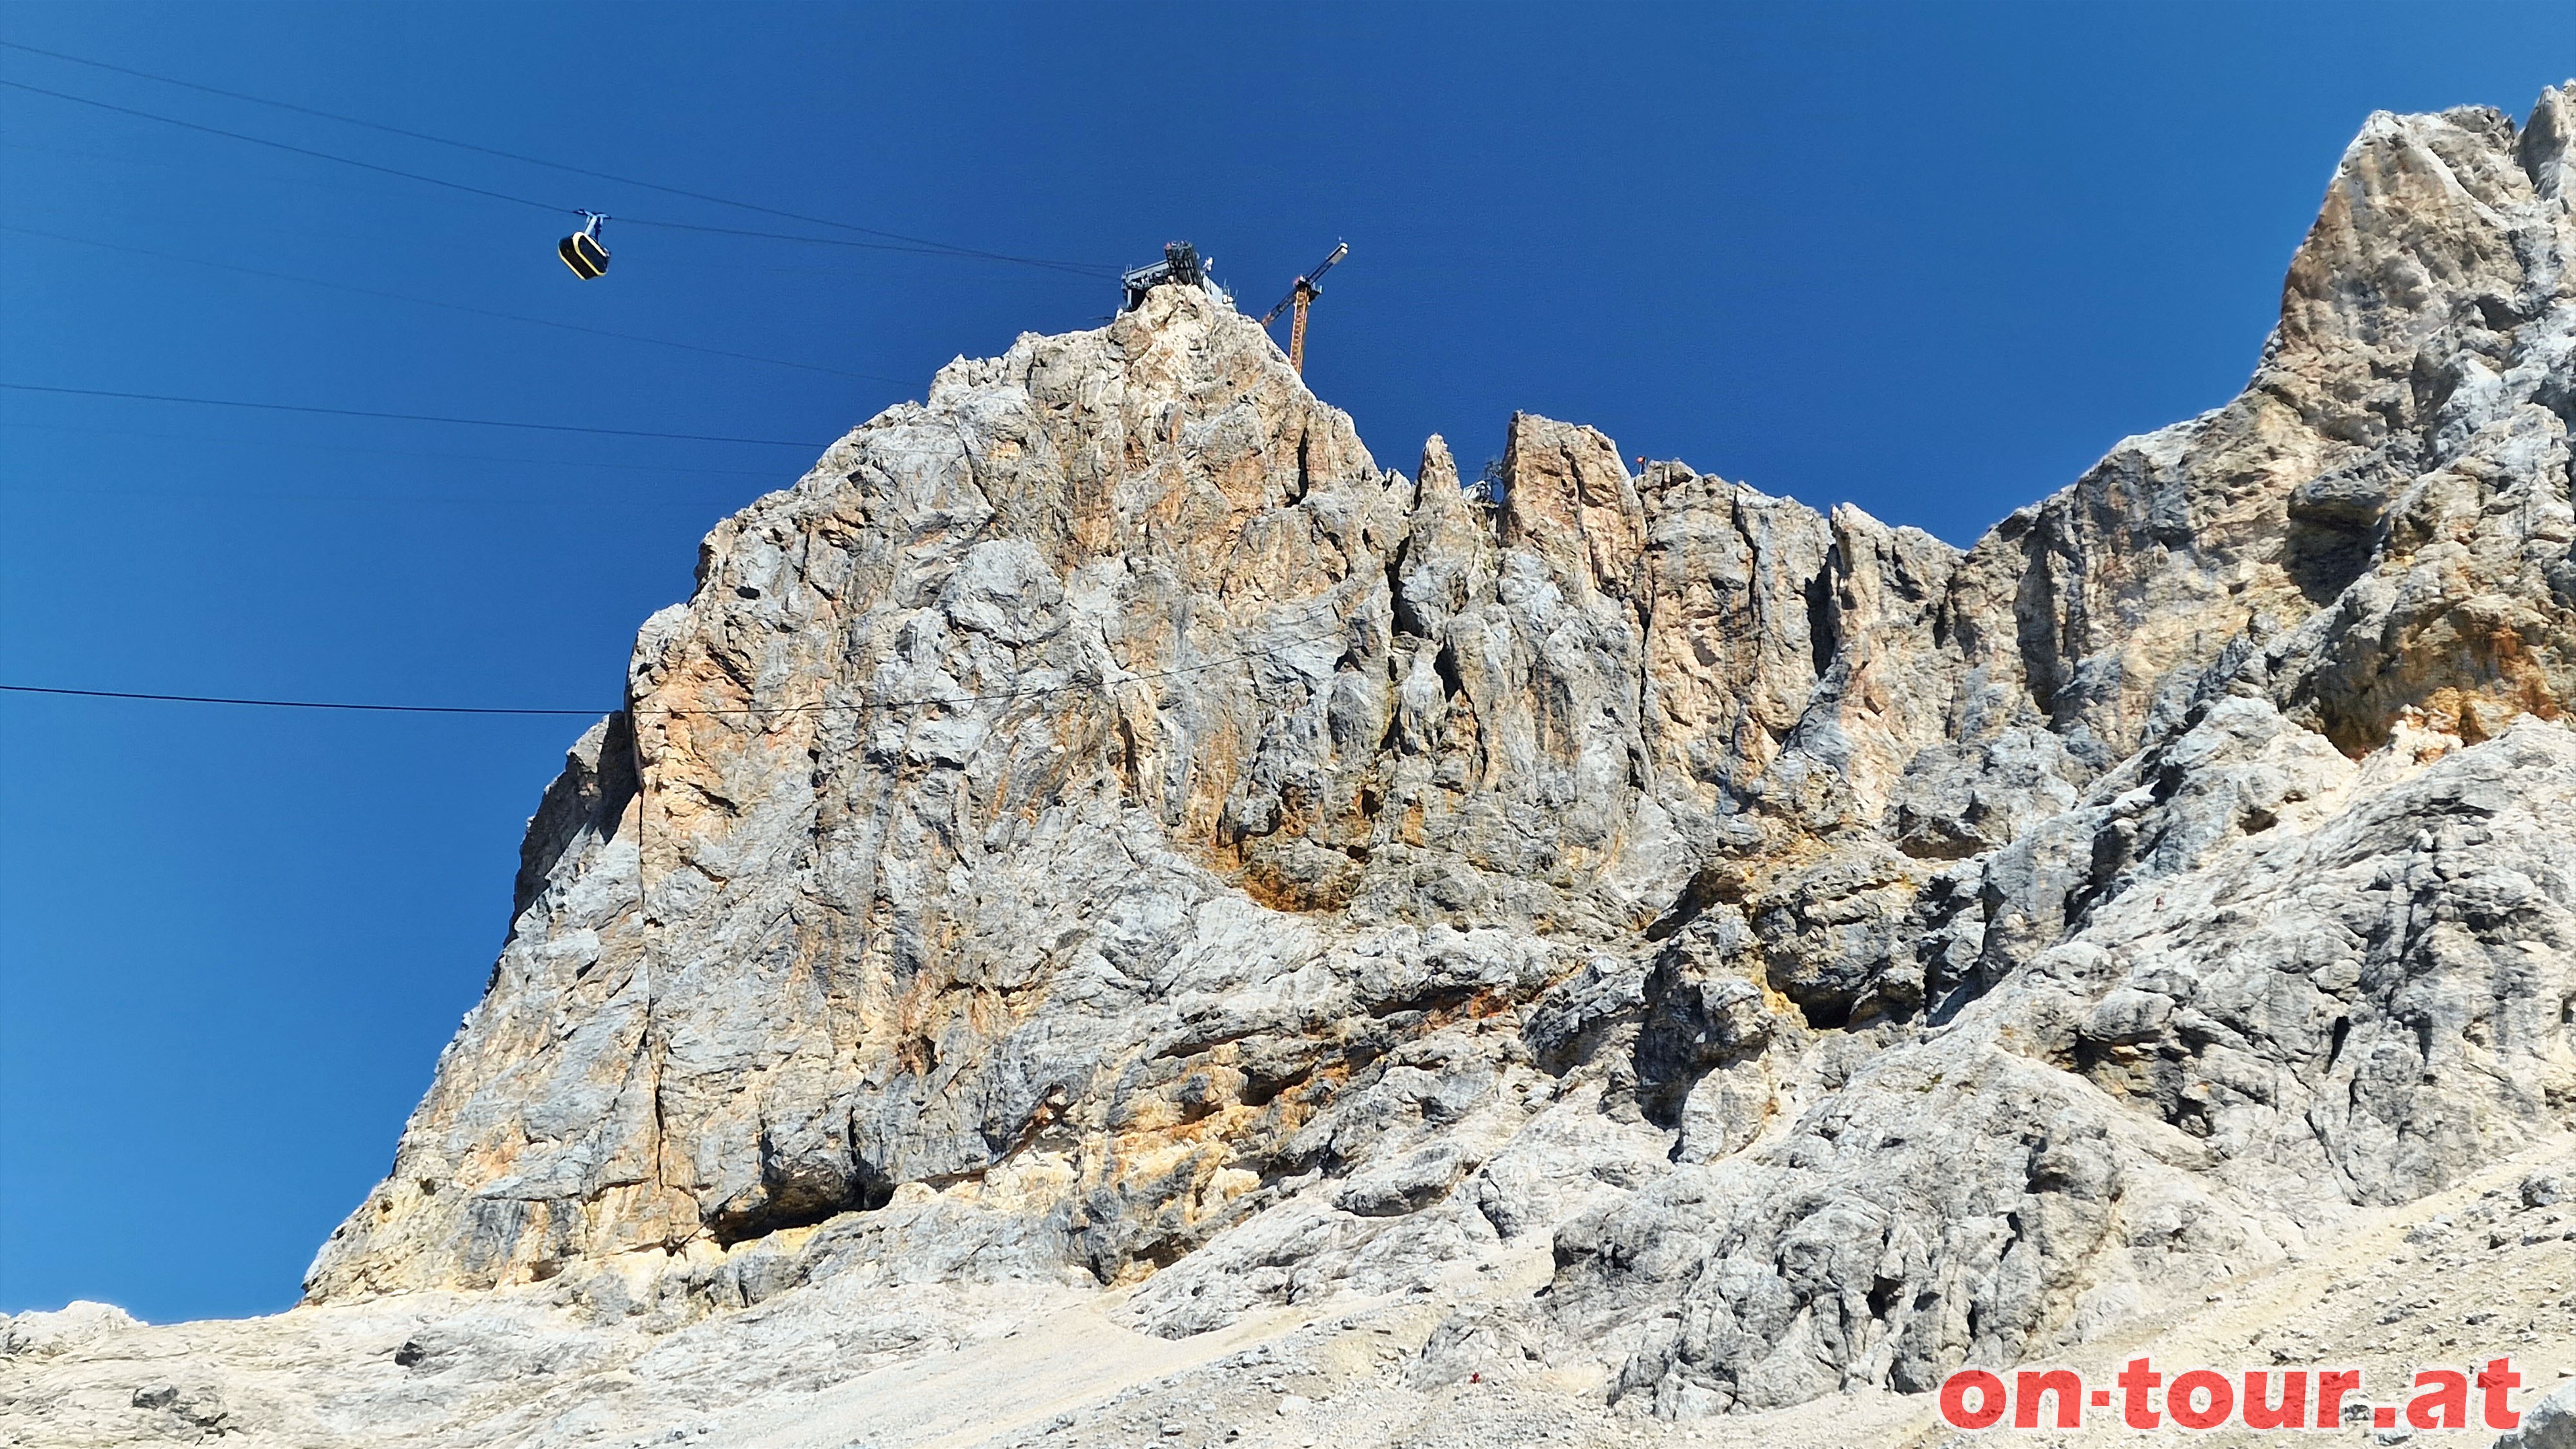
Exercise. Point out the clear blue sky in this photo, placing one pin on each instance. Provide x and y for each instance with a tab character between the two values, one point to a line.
1933	260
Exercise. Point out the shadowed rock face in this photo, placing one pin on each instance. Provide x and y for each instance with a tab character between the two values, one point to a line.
1099	823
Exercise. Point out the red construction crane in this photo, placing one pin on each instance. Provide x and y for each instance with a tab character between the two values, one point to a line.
1300	297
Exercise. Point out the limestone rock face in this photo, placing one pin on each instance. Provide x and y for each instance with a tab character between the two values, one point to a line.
1085	792
1099	827
43	1335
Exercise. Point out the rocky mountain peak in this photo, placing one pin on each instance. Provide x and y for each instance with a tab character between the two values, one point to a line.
1099	827
1084	789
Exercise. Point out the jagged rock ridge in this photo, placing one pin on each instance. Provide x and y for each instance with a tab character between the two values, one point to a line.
1099	824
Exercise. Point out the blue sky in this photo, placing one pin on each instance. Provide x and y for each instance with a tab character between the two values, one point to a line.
1930	259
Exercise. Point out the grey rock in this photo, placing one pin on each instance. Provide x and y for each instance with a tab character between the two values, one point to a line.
2548	1424
197	1406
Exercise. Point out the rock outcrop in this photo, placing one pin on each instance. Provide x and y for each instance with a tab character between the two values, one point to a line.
1101	828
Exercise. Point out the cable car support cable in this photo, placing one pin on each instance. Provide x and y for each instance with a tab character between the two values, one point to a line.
219	402
919	245
448	306
753	711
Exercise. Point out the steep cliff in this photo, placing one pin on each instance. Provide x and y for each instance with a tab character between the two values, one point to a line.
1100	828
1104	803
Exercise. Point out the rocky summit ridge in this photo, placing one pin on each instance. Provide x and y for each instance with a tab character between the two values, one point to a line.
1101	853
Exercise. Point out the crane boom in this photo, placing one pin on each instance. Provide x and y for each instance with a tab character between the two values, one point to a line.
1340	250
1300	296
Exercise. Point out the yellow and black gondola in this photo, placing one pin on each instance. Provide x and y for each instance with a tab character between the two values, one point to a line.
583	252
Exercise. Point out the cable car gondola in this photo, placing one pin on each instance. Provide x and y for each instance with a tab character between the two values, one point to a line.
582	252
